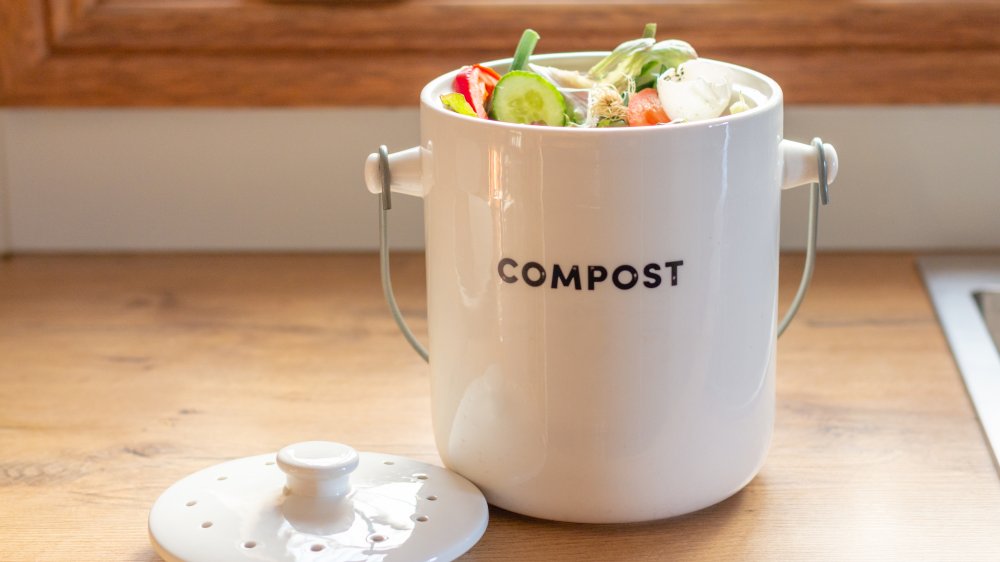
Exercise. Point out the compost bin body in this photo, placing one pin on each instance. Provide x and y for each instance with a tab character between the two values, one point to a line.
602	301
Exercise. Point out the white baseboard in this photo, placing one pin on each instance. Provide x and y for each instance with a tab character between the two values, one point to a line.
290	179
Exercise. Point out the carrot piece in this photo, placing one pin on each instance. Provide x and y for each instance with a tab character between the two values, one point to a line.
644	108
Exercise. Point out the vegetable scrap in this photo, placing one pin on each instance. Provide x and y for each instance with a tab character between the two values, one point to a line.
643	82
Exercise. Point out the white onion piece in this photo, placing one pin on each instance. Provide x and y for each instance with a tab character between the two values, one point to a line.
697	90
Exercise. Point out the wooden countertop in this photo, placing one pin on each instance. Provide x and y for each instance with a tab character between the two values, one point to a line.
121	374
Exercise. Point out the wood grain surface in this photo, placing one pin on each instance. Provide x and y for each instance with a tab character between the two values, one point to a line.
121	374
381	52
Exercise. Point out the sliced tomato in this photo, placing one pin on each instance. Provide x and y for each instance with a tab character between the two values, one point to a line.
476	83
488	71
644	108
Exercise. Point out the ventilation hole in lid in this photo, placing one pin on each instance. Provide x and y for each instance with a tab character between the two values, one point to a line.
206	524
388	462
222	478
421	476
432	498
269	463
317	547
422	518
192	502
377	538
249	544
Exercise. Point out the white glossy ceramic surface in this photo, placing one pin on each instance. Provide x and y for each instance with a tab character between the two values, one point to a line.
318	501
636	381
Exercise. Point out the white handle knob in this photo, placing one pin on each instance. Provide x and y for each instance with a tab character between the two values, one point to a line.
405	171
800	163
318	469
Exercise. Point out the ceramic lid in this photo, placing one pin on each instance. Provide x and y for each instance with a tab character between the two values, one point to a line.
317	501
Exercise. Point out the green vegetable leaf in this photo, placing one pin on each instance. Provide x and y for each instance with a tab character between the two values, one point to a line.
622	55
642	60
603	123
457	103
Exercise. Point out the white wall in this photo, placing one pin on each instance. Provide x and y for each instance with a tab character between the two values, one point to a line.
4	215
912	177
178	179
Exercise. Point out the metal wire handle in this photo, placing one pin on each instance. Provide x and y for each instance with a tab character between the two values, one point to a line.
384	204
819	191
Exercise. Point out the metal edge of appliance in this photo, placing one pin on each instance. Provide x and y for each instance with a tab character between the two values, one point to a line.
954	283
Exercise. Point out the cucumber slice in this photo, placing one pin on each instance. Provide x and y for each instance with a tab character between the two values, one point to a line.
526	97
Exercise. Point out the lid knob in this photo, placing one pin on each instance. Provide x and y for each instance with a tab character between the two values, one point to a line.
318	469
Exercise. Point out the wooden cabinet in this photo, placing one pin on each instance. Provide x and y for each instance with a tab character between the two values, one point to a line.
380	52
